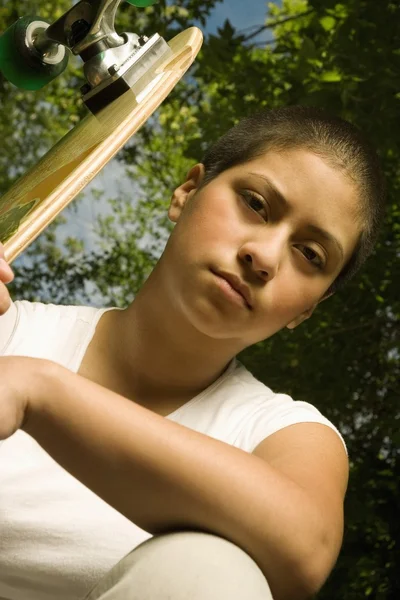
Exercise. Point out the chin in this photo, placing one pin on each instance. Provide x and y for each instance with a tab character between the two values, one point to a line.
211	324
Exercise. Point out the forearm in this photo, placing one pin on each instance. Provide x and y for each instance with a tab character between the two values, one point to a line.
164	476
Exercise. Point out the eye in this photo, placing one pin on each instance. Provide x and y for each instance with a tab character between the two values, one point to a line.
310	255
255	202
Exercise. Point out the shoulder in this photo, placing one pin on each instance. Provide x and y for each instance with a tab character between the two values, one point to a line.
302	449
268	412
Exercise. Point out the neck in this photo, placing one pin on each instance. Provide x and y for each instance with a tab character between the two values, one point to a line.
151	354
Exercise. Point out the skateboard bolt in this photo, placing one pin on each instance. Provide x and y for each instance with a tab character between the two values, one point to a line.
142	40
79	30
85	89
113	69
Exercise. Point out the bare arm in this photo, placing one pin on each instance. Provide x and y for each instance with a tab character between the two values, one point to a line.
164	476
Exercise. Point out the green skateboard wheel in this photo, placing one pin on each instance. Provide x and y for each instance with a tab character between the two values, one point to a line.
21	63
142	3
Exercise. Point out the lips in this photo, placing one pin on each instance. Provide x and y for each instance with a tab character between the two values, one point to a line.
237	284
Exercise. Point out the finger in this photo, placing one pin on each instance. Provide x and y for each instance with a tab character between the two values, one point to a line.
5	300
6	273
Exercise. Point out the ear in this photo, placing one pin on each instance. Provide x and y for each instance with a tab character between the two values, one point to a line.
185	191
307	313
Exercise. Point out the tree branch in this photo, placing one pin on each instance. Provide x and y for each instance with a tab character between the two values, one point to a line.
275	23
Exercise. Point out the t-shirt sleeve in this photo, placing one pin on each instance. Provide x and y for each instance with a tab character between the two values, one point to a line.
277	413
8	322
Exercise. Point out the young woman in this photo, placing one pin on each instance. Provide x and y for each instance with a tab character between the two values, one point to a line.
138	430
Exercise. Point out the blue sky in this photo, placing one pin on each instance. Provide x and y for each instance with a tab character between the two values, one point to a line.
241	14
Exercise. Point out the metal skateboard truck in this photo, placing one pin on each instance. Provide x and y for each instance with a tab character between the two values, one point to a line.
34	52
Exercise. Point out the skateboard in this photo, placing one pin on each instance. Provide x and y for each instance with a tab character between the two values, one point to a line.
127	77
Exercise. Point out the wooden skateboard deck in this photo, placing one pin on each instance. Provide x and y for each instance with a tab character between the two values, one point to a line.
34	201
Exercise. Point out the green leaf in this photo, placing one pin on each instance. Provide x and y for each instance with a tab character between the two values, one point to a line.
331	76
328	23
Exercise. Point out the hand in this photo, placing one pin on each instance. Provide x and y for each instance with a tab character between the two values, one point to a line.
20	377
6	276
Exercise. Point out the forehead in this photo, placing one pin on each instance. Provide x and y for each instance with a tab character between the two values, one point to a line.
311	190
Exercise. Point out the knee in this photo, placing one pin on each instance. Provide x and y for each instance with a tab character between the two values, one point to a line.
204	567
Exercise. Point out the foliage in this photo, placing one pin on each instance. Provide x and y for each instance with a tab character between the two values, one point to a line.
345	360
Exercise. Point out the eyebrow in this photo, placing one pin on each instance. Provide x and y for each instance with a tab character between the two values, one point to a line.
323	233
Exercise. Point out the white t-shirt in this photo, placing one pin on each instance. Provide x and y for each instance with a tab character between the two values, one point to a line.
57	538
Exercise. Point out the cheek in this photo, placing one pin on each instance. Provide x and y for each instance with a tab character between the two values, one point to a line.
212	221
291	294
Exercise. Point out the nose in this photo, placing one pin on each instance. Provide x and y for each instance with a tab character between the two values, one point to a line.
264	253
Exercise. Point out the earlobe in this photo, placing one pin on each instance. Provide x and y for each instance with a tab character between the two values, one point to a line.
326	297
185	191
303	317
307	313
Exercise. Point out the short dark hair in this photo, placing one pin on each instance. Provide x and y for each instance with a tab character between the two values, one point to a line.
335	140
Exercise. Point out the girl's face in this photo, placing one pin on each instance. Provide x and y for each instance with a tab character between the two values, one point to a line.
284	224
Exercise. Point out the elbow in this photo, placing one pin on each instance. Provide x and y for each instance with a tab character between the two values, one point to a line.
319	555
295	584
291	579
301	575
303	583
311	581
315	568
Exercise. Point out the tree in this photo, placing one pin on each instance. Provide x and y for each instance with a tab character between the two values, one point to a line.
345	360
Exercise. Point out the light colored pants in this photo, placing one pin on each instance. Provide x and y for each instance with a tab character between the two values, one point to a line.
184	565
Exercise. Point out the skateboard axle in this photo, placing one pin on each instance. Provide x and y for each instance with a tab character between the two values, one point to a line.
128	67
87	30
